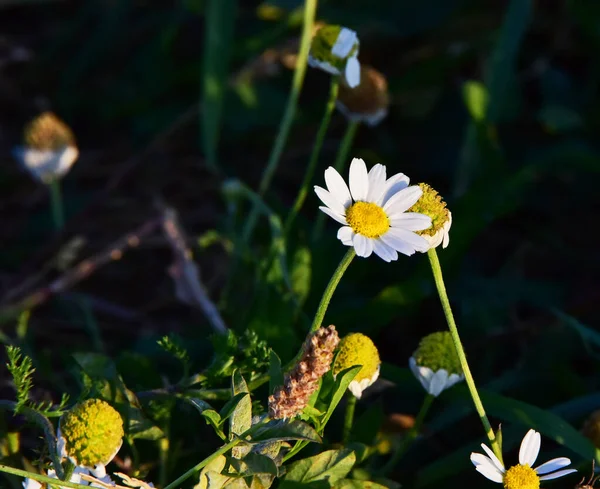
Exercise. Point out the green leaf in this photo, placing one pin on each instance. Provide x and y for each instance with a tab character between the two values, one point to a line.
230	406
211	417
356	484
342	382
275	371
215	466
283	430
476	99
254	463
241	418
331	466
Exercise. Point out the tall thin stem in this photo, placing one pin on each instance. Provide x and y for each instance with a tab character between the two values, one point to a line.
314	157
331	286
410	436
441	288
58	214
310	9
340	161
349	417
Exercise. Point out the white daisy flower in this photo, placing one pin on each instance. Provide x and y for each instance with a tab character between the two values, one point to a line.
334	49
523	475
373	211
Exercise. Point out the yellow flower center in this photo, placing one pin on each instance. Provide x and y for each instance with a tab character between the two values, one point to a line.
367	219
521	477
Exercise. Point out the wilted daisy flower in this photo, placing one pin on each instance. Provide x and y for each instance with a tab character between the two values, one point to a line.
432	205
317	354
90	435
49	149
369	101
358	349
523	475
373	211
435	363
334	49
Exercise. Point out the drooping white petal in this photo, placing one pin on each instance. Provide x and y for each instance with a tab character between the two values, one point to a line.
486	467
345	235
530	447
556	475
383	251
352	72
362	245
447	225
402	200
411	221
377	180
552	465
453	379
499	465
329	200
334	215
323	65
393	185
359	181
344	43
397	244
438	382
411	239
337	187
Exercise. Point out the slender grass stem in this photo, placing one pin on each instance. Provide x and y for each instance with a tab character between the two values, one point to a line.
441	288
310	9
349	417
410	436
58	213
314	157
340	161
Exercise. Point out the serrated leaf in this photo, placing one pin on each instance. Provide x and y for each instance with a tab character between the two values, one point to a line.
341	384
331	466
241	418
283	430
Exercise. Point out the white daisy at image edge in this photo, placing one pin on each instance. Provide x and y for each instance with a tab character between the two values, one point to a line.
373	211
523	475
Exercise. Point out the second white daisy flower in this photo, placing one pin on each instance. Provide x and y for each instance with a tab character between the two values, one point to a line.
373	211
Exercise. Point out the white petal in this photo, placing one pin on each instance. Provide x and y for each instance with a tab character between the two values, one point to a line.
556	475
384	251
499	466
31	484
345	235
447	225
393	185
344	43
356	389
323	65
402	200
453	379
362	245
334	215
352	72
485	466
397	244
337	187
99	471
376	182
359	180
552	465
422	374
411	239
411	221
438	382
330	201
530	447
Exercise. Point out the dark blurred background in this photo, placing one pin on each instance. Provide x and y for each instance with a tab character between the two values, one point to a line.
518	172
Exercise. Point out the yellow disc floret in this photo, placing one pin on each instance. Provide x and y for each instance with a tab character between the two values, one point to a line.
367	219
48	132
432	205
93	432
322	45
521	477
357	349
436	351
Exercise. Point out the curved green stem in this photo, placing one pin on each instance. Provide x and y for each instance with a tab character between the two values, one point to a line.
441	288
310	9
410	436
331	286
225	448
349	418
340	162
58	213
314	157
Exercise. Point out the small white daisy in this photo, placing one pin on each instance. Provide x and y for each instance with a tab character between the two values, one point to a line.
523	475
373	211
334	49
434	382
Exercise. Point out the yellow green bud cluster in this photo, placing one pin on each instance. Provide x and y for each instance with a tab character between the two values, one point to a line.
357	349
436	351
322	44
48	132
432	205
92	433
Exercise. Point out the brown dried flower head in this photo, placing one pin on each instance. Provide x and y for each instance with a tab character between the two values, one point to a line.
369	101
317	354
47	131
